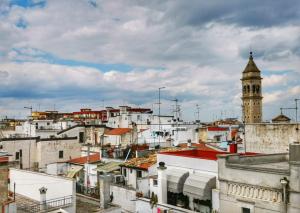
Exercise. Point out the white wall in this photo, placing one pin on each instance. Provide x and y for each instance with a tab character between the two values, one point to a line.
192	164
143	186
124	197
28	184
90	169
57	168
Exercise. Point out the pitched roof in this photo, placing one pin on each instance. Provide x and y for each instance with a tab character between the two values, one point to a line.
141	163
281	118
118	131
251	66
108	167
82	160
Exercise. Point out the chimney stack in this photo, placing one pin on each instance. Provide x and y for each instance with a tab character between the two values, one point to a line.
162	183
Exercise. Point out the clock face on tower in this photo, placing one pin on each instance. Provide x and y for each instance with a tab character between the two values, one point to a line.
252	93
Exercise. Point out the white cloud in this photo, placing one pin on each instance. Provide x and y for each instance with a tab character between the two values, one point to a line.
275	80
198	57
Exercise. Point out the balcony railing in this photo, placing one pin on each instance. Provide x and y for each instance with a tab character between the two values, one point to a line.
48	205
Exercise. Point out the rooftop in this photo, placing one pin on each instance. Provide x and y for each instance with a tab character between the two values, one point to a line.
82	160
141	163
275	163
251	66
201	146
196	153
118	131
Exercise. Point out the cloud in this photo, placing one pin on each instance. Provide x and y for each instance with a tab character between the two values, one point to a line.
197	49
274	80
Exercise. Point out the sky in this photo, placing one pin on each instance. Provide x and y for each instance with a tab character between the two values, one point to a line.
72	54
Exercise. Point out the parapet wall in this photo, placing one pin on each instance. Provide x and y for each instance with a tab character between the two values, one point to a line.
271	138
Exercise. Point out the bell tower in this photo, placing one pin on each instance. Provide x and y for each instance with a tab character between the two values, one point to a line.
252	96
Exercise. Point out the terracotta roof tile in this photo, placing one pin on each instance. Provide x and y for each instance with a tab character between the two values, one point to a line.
118	131
82	160
141	163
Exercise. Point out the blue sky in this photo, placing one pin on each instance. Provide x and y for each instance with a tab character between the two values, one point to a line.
76	53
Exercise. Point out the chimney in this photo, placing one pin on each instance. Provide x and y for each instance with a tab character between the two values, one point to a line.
43	202
232	147
162	183
189	143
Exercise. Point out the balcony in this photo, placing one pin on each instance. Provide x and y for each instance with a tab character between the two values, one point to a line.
49	205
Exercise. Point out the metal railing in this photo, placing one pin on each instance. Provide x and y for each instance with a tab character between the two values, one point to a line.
48	205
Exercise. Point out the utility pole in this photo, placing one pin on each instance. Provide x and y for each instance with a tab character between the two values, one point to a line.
296	103
159	103
198	112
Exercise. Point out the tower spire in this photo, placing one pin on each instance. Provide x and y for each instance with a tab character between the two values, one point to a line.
252	96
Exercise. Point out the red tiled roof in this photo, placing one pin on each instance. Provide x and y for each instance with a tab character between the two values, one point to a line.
3	159
118	131
82	160
207	155
216	128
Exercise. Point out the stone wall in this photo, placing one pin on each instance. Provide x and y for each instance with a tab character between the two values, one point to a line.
270	138
3	183
48	151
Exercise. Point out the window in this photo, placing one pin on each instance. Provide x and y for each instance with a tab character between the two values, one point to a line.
61	154
154	182
48	123
124	172
81	137
246	210
253	88
257	88
139	174
244	89
17	155
130	171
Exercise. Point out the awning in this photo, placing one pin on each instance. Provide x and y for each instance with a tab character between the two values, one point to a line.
73	171
199	186
108	167
176	179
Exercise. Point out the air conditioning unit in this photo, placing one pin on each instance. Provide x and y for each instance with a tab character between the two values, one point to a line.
119	179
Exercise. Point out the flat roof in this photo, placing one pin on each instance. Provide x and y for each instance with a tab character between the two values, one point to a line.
200	154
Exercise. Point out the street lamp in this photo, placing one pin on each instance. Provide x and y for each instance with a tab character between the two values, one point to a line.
159	128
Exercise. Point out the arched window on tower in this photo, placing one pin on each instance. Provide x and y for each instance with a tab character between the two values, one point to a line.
248	88
244	89
253	88
257	89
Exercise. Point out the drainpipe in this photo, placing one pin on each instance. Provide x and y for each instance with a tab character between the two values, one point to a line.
284	183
